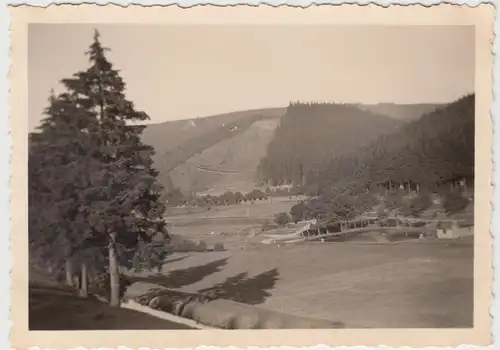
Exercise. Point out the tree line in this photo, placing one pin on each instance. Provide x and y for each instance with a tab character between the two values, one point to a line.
175	198
93	196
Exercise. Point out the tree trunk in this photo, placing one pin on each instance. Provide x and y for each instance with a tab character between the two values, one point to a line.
114	274
84	291
69	272
76	282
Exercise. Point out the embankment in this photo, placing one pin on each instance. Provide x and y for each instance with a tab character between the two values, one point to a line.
219	313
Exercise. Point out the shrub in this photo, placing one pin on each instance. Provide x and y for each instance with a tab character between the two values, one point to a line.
201	246
282	219
299	212
219	247
417	205
454	202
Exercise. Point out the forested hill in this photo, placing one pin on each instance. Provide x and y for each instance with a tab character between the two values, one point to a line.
437	148
310	134
405	112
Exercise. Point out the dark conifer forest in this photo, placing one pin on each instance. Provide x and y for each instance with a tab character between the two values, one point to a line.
310	134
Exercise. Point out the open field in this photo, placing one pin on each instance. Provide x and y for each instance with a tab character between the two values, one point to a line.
372	285
227	224
199	223
259	209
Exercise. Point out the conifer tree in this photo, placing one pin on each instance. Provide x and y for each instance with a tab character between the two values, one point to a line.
92	142
122	204
55	178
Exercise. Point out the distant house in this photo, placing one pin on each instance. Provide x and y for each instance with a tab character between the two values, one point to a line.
452	230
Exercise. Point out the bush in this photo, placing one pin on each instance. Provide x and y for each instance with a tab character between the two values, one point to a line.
299	212
201	246
219	247
454	202
417	205
282	219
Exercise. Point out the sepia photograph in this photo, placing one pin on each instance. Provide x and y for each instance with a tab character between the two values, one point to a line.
253	176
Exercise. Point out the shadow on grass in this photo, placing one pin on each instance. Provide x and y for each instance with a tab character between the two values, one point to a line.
183	277
242	289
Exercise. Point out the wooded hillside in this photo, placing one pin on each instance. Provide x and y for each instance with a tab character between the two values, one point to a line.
437	148
403	112
310	134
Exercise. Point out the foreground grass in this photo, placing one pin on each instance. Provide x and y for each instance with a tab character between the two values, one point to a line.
406	285
58	308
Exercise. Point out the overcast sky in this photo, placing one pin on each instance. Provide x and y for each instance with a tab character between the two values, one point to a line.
176	72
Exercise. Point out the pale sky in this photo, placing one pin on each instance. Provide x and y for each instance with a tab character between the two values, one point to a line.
186	71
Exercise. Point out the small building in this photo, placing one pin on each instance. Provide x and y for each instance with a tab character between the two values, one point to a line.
452	230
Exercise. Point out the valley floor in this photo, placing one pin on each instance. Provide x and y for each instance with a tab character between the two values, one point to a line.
413	285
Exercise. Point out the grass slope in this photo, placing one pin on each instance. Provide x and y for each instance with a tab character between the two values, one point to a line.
229	165
177	141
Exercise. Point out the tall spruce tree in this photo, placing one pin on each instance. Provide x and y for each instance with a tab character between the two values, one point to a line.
122	204
115	195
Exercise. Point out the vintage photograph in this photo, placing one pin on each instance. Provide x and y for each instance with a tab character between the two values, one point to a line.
251	176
